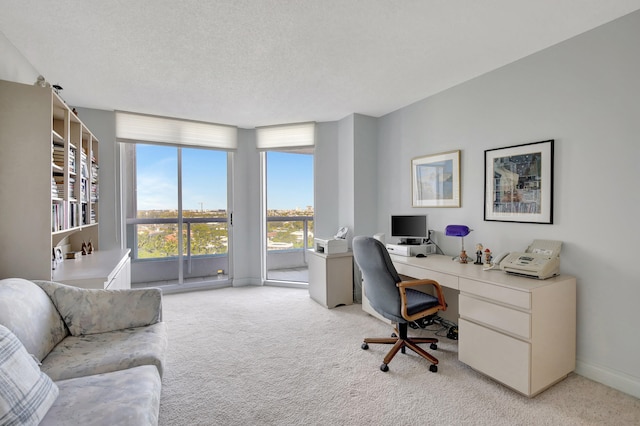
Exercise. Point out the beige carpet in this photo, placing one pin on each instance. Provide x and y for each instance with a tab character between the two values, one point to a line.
272	356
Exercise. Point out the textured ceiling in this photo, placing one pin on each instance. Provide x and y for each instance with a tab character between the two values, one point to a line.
260	62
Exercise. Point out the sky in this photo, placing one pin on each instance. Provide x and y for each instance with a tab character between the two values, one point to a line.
289	181
204	182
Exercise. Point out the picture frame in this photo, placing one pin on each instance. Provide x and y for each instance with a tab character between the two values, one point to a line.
56	257
435	180
518	183
57	251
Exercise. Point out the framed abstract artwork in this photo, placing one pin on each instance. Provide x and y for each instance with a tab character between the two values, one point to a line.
518	183
436	180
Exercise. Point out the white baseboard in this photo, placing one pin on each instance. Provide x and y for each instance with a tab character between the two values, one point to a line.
615	379
241	282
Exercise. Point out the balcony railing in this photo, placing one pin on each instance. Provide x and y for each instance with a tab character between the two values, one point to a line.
284	236
288	238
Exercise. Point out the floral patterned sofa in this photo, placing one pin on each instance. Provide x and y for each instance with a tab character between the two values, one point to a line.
79	357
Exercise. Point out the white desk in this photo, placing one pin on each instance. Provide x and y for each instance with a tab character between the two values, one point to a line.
101	269
519	331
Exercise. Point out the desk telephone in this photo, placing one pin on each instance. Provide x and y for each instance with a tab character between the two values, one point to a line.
540	260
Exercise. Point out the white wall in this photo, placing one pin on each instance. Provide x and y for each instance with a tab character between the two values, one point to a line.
344	166
584	93
14	66
355	165
365	196
326	180
245	257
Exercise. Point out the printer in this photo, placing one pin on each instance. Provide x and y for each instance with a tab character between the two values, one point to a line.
330	246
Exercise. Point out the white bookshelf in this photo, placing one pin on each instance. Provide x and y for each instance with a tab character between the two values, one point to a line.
46	164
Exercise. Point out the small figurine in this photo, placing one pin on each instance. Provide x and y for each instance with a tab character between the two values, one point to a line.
41	82
478	254
463	257
89	247
84	248
487	256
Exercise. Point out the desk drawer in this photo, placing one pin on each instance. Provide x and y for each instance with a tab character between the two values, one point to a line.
501	357
497	316
445	280
521	299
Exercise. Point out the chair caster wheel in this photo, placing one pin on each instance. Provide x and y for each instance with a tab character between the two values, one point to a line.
433	346
433	368
365	346
384	367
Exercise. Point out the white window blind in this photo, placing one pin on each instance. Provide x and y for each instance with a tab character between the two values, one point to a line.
132	127
298	135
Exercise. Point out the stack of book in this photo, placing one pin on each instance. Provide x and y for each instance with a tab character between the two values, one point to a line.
61	188
57	155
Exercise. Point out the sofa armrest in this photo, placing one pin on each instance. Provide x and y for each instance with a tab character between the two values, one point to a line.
88	311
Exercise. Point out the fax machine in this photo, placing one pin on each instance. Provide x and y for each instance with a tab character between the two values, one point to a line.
541	260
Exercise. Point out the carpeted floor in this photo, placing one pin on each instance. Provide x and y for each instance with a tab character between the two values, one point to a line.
272	356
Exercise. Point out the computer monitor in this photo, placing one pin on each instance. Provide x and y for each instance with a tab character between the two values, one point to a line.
411	229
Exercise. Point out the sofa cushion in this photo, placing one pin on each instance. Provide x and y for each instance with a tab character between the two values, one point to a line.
30	314
126	397
26	394
78	356
89	311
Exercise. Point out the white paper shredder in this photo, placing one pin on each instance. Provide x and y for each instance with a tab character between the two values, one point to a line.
331	246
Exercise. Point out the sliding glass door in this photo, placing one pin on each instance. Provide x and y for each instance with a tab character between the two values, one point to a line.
288	201
177	221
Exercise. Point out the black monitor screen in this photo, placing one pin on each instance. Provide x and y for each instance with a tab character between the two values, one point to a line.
409	226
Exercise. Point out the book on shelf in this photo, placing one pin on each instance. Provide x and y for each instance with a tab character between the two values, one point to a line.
84	213
58	217
94	192
94	172
73	217
84	171
54	188
84	190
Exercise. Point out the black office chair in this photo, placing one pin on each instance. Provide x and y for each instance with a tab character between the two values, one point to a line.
395	300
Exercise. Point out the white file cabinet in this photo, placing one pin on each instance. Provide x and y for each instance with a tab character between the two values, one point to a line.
522	337
331	278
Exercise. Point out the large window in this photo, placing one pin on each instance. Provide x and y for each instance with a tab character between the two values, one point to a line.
177	221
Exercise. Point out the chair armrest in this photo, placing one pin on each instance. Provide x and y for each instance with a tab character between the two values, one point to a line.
403	285
88	311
